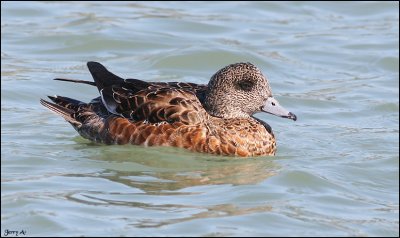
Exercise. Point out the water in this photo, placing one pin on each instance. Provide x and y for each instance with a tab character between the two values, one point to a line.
336	172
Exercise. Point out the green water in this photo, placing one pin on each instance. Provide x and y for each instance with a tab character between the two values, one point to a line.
336	172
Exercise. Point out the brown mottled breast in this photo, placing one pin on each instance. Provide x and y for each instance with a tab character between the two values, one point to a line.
240	136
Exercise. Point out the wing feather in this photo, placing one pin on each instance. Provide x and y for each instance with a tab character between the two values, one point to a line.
154	104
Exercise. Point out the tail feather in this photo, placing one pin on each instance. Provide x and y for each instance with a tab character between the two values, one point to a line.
65	112
76	81
102	77
66	102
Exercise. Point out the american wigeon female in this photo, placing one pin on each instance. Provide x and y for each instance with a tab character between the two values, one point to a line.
214	118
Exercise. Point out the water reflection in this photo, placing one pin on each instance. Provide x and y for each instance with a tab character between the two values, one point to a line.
169	181
212	212
170	213
161	169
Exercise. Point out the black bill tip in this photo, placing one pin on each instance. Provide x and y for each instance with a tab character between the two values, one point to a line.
292	116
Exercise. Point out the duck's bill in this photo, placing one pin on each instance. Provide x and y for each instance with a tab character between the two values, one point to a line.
272	106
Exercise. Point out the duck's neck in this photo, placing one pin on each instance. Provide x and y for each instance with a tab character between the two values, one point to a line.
224	110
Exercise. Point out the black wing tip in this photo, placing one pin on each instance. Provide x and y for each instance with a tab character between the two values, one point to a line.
94	64
95	68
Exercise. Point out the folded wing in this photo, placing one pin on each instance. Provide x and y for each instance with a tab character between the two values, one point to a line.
138	100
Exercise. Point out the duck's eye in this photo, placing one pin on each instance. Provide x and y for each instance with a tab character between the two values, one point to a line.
246	85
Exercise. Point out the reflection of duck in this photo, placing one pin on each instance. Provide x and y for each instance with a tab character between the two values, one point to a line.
160	182
160	170
214	118
172	185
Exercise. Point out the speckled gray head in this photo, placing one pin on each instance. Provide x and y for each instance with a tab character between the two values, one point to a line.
240	90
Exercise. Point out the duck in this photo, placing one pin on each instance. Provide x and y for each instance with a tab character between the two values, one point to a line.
215	118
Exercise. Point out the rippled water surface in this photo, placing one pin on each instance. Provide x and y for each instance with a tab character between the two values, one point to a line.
336	172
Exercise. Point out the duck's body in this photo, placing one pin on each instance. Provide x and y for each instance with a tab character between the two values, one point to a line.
202	118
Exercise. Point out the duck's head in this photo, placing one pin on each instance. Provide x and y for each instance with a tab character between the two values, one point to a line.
240	90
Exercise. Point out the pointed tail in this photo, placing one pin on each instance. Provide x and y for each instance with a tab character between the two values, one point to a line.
63	108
